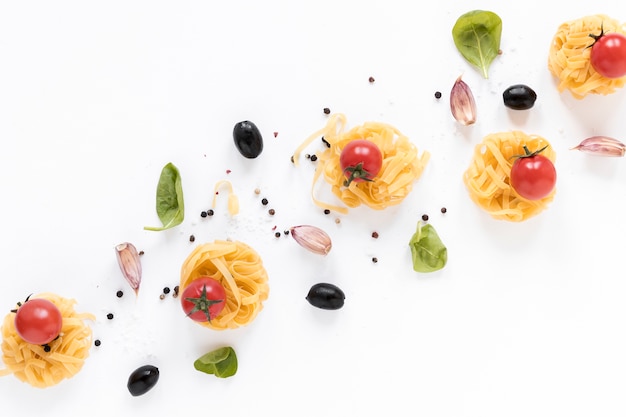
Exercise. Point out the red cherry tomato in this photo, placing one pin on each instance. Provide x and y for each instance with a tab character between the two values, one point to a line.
533	176
360	160
38	321
608	54
203	299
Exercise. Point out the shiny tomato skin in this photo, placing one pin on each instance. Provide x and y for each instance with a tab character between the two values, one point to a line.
215	297
38	321
608	55
533	177
365	153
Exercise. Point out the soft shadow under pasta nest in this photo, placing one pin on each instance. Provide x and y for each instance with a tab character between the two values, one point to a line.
240	270
487	178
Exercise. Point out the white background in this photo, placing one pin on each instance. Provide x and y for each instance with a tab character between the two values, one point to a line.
95	97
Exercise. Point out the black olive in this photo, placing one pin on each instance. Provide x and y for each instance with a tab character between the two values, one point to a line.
248	139
142	380
519	97
326	296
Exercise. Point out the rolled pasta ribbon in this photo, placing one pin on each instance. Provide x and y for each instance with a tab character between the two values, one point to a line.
240	270
32	364
488	177
402	165
569	56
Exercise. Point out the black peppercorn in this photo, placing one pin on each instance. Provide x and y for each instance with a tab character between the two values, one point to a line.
313	157
166	290
119	294
110	316
425	217
438	95
210	212
443	209
97	342
326	110
264	201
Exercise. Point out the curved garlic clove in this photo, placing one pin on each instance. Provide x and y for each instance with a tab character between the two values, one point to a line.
130	264
462	103
312	238
601	146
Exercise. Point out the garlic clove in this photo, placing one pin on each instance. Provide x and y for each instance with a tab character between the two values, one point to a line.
601	146
312	238
130	264
462	103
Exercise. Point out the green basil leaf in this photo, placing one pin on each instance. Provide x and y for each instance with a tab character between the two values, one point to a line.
221	362
477	36
170	206
428	252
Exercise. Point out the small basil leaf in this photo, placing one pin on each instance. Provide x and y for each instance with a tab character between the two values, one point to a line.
477	36
428	252
221	362
170	206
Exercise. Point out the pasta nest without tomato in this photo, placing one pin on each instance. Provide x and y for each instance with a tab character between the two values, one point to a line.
240	270
488	176
569	57
401	166
41	369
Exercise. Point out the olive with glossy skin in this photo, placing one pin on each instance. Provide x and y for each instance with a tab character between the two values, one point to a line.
519	97
142	380
326	296
248	139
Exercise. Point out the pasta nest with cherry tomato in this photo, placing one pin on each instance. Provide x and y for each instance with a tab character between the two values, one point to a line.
46	365
488	178
400	166
571	55
239	269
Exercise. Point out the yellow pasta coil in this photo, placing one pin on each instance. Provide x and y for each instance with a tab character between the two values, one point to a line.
487	178
402	165
239	268
569	57
41	369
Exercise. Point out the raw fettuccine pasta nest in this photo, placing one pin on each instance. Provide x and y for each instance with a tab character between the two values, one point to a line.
488	177
32	364
569	57
240	270
402	165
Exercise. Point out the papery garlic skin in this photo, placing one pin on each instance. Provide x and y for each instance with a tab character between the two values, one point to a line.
462	103
602	146
130	264
312	238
